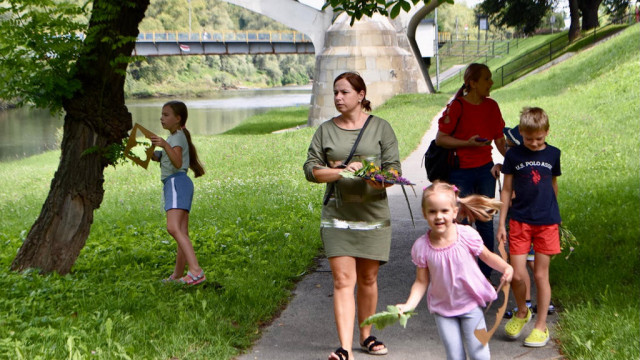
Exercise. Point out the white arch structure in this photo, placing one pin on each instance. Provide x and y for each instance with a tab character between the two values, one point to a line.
389	68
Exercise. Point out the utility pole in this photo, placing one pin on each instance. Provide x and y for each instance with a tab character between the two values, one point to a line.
456	28
437	47
189	1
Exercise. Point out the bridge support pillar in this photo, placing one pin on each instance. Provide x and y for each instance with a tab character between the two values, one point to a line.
371	48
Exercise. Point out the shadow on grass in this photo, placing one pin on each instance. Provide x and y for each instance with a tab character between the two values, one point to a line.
273	120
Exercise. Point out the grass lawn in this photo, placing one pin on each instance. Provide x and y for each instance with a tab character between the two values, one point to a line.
592	101
534	47
255	220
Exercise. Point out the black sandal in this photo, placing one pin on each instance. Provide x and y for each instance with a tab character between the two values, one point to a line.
342	353
369	343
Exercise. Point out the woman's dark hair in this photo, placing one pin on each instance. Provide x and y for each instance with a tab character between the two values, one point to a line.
473	72
357	84
180	109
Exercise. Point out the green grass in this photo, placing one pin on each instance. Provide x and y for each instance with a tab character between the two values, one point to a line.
535	47
255	220
271	121
517	48
254	226
592	103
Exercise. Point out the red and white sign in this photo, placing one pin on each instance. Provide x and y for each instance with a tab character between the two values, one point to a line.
184	47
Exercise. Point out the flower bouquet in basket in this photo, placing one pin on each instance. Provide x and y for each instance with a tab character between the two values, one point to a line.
371	172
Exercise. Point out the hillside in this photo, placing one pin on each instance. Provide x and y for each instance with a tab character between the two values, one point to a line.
592	100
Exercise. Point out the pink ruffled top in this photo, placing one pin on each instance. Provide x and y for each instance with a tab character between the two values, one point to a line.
456	284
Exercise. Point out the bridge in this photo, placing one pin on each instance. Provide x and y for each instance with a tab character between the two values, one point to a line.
384	51
223	43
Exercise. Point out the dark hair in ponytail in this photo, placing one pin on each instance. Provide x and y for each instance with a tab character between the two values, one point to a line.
473	72
180	109
357	83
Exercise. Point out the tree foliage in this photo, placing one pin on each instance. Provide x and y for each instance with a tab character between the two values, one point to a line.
39	44
616	8
525	15
460	13
357	9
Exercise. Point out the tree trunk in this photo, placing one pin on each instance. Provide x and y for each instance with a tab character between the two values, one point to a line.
96	115
589	9
574	28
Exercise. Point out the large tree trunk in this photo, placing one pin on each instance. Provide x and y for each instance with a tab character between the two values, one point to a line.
96	116
589	9
574	28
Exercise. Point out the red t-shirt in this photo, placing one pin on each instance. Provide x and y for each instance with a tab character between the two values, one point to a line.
484	120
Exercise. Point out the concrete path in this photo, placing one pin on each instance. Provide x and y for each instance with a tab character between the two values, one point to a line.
306	328
452	71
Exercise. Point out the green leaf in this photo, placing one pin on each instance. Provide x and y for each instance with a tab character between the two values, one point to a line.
348	174
406	6
396	10
389	317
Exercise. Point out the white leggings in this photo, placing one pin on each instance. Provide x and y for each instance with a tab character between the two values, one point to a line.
458	329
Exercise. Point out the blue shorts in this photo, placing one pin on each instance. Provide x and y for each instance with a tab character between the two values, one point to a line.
178	192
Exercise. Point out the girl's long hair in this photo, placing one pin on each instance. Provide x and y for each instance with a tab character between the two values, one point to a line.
473	72
180	109
472	207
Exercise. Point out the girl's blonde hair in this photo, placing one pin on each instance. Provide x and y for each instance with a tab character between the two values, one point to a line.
180	109
471	207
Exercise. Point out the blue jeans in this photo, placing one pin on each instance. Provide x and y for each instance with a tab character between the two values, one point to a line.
478	181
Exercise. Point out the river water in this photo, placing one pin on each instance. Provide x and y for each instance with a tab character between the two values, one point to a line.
25	132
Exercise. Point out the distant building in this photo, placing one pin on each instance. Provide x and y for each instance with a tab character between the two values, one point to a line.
426	38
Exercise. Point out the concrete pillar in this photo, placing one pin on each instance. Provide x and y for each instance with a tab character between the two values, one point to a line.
371	48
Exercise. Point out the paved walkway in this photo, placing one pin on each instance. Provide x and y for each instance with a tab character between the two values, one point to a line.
306	328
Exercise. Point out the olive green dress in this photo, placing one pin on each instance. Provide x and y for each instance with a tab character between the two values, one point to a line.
356	220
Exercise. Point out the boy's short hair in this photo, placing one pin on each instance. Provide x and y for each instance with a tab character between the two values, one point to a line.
533	119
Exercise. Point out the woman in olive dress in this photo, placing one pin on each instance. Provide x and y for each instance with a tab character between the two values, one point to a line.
355	225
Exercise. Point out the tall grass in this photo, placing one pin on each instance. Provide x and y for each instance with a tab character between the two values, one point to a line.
255	219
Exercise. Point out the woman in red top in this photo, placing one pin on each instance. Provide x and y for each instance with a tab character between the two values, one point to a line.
478	122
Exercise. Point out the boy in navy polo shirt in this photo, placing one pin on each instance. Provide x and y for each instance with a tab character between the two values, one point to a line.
531	170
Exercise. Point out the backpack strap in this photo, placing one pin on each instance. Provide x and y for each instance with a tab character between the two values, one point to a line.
459	117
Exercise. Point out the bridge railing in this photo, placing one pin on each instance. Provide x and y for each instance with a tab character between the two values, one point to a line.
224	36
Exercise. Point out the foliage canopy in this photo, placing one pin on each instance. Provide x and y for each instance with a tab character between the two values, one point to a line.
40	40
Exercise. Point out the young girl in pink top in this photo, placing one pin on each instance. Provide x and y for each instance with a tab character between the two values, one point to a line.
448	272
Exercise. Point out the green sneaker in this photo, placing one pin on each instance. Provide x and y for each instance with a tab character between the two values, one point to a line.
537	338
514	326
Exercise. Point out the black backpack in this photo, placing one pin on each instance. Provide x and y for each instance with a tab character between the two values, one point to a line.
439	161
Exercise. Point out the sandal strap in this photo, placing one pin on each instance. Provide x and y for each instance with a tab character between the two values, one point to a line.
371	342
342	353
194	278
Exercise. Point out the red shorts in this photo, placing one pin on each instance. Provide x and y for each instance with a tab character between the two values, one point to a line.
545	238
